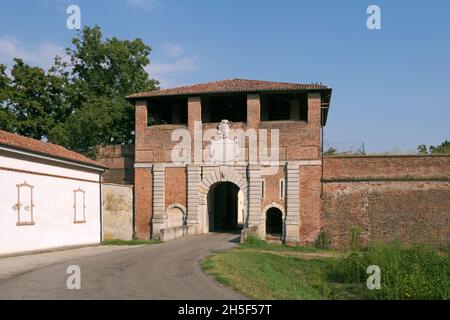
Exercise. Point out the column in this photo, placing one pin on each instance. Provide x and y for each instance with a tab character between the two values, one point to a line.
294	109
195	127
254	196
293	204
253	111
314	115
193	182
159	219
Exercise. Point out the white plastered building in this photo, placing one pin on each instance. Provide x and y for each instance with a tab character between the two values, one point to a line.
50	197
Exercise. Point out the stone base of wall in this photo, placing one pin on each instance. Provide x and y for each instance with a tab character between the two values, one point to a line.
250	231
167	234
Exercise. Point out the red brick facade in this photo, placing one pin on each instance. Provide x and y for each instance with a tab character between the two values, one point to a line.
175	186
386	197
143	203
272	188
310	187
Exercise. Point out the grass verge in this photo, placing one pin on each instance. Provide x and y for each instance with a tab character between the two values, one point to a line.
260	270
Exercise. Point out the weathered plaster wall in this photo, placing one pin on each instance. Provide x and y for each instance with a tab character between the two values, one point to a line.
117	212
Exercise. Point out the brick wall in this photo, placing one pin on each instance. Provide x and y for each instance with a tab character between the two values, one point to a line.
299	140
272	185
120	161
387	167
175	186
309	203
253	111
143	202
388	197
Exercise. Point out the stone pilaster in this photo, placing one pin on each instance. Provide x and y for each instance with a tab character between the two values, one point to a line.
193	183
159	219
292	221
254	195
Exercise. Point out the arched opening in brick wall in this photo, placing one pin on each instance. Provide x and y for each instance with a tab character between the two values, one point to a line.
274	222
224	207
213	176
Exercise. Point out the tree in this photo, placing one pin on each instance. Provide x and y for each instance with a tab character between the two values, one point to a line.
98	122
30	100
103	74
80	102
330	151
422	149
443	148
7	120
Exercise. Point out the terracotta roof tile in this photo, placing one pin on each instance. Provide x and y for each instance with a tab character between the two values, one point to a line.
228	86
16	141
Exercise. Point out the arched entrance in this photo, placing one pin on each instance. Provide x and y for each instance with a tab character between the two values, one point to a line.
224	206
274	222
213	176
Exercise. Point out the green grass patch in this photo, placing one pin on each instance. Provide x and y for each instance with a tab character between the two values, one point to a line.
261	270
117	242
268	276
406	272
256	243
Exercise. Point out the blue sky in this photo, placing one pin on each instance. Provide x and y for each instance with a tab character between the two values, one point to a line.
391	87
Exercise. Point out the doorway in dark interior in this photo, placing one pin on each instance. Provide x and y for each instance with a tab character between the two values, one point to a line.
223	207
274	222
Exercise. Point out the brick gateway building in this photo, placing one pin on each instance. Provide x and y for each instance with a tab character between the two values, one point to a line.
295	197
173	199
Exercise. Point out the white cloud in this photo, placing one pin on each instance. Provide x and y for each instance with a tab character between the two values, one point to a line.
143	4
173	66
169	70
41	55
172	50
176	68
168	73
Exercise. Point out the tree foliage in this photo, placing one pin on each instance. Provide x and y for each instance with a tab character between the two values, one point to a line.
330	151
80	101
30	100
443	148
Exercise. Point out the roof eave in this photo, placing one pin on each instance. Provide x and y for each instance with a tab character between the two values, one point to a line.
97	167
134	97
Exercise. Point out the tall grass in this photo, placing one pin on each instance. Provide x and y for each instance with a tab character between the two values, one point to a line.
406	272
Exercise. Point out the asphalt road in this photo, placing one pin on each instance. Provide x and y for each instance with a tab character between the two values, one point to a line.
169	270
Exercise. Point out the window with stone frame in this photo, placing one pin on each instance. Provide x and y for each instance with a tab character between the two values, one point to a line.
25	204
79	206
282	188
263	189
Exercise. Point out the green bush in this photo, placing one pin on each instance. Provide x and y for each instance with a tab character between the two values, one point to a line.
322	241
355	238
253	239
406	273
